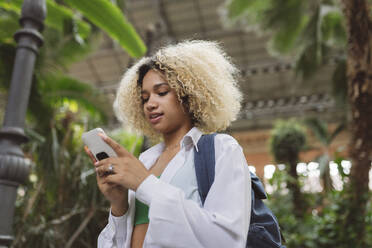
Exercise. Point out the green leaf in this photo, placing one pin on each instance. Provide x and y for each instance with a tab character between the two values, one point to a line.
8	26
11	5
319	128
341	127
60	50
35	136
339	83
109	18
285	40
55	149
307	30
55	88
287	139
58	15
333	28
239	8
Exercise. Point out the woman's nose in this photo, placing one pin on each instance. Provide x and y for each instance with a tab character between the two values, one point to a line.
151	104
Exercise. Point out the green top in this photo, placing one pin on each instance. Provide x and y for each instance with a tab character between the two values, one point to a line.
141	215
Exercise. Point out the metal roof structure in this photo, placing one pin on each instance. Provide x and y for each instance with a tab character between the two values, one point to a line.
271	89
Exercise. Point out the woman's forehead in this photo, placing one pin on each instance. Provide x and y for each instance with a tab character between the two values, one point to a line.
153	79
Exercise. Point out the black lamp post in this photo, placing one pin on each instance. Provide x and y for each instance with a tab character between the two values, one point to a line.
14	168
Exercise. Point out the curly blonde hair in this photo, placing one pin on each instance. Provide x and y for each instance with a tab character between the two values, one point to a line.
200	72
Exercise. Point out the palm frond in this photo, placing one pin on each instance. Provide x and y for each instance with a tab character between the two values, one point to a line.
286	19
61	50
58	15
339	83
307	30
8	26
341	127
249	10
110	19
55	88
333	28
319	129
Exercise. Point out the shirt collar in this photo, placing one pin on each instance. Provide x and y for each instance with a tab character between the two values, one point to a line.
190	139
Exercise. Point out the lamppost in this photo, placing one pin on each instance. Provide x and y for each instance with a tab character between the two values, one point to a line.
14	168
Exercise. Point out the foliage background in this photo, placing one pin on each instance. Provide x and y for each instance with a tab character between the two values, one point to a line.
61	204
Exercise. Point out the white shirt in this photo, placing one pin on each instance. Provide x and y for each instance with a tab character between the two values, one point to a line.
176	216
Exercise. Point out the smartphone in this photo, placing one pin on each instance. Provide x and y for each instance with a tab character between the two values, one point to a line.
99	148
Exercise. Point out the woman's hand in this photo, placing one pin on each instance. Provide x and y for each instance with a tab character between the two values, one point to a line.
114	193
127	171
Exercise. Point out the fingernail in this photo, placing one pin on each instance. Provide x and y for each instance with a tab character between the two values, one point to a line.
104	136
96	163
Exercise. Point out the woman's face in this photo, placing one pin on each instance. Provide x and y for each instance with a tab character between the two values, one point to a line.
161	106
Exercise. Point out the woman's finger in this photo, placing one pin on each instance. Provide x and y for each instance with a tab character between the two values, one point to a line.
90	154
113	179
105	161
120	151
106	169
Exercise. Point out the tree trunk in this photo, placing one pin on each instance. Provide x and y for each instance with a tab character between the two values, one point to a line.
294	187
360	98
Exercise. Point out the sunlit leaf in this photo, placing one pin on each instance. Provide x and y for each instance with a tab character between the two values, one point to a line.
56	88
58	15
110	19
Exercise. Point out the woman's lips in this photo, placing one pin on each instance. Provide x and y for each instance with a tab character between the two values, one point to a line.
154	119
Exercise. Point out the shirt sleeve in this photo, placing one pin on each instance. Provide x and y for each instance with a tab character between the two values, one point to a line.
115	232
224	220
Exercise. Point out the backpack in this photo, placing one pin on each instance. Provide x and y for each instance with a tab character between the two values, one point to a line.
264	231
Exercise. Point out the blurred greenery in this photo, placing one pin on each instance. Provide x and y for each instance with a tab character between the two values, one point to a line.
325	137
61	204
312	33
322	222
288	139
320	219
103	13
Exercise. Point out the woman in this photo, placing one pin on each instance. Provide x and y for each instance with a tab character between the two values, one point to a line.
181	92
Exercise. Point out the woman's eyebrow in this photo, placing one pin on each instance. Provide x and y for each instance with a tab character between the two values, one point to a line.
156	86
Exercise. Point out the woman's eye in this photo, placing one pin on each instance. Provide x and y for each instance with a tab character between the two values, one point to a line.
163	93
144	99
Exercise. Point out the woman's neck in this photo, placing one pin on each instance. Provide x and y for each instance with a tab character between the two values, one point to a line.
173	139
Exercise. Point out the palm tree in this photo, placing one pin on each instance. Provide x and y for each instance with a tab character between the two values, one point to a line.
287	140
357	15
320	130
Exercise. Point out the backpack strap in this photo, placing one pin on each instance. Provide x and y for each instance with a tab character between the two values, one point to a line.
204	161
257	187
